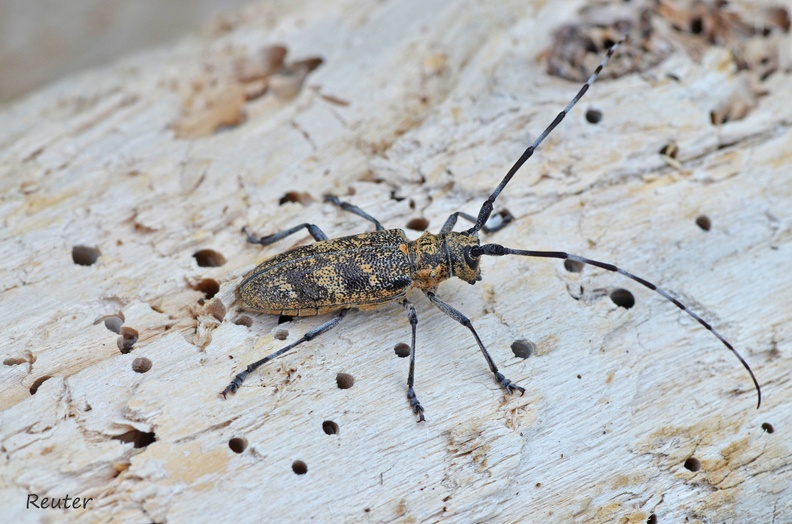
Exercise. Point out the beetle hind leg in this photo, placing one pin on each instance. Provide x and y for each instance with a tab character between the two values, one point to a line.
414	403
504	382
314	230
327	326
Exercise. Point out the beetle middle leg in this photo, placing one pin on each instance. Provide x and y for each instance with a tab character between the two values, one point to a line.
414	404
504	382
346	206
327	326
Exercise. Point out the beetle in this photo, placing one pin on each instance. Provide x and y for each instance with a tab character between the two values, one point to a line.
367	270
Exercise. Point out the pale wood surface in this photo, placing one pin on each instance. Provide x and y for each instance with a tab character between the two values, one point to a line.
429	101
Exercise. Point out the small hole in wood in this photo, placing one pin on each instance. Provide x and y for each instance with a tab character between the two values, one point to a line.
622	298
282	319
112	322
85	255
402	350
593	116
209	258
523	348
139	439
141	365
767	427
243	320
418	224
330	427
652	519
300	197
126	341
703	222
573	266
345	380
299	467
238	444
670	150
208	286
692	464
37	384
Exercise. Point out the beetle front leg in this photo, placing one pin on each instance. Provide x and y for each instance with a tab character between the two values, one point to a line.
414	403
504	216
504	382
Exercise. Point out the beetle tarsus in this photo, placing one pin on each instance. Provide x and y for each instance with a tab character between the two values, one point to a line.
508	385
415	404
235	384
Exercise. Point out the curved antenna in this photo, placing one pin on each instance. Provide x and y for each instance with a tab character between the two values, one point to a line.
497	250
487	206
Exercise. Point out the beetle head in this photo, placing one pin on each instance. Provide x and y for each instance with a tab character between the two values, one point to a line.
463	263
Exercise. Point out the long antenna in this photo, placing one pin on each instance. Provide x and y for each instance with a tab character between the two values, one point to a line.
487	206
497	251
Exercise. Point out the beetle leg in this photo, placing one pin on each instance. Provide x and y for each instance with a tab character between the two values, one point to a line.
315	232
504	382
505	218
346	206
414	403
327	326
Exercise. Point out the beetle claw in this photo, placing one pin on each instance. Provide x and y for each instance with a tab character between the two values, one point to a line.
415	404
508	385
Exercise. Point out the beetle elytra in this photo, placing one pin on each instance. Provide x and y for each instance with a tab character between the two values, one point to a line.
366	270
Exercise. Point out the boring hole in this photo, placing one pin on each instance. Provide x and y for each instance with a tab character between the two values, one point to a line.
112	322
281	334
299	467
126	341
37	384
402	350
573	266
593	116
696	26
692	464
209	258
141	365
139	439
703	222
418	224
622	298
652	519
767	427
208	286
243	320
345	380
670	150
238	444
330	427
300	197
523	348
85	255
282	319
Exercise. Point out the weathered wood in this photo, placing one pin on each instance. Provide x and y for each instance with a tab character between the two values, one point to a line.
417	111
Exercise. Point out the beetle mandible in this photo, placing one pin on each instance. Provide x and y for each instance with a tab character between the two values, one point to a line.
367	270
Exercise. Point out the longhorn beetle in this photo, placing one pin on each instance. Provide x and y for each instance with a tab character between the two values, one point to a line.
366	270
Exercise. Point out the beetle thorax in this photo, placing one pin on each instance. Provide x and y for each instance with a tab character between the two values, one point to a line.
435	258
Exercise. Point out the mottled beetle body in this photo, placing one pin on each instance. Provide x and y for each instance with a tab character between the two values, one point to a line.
358	271
366	270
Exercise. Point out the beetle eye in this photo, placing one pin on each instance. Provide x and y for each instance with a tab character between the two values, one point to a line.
470	259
